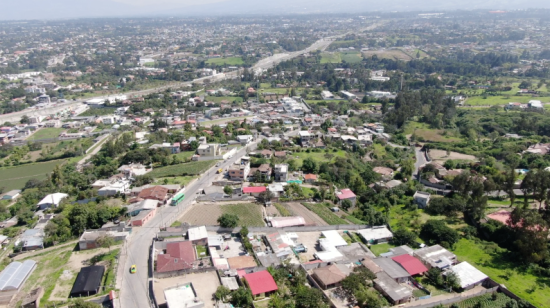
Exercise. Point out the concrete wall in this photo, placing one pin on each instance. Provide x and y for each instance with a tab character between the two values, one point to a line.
288	229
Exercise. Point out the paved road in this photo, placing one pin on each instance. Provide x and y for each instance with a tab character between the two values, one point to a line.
420	160
98	146
134	289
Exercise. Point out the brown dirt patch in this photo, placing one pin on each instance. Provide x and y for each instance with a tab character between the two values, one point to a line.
441	156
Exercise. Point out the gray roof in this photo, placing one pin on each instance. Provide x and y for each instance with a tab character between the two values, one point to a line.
392	289
230	283
391	267
436	256
33	237
12	193
355	251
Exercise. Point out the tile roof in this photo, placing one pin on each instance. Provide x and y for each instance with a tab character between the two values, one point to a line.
346	193
261	282
178	256
412	265
255	189
155	192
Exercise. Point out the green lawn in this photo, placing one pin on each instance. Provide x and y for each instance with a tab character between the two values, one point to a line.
98	112
46	133
201	251
380	248
16	177
228	61
249	214
325	213
331	58
181	180
423	131
218	99
494	262
351	57
185	155
186	169
318	156
500	100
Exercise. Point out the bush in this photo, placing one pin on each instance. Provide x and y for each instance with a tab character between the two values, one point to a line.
228	220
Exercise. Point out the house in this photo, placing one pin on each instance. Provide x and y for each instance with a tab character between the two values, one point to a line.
412	265
118	187
264	170
436	256
31	239
51	200
254	190
261	284
178	256
281	242
209	150
132	170
422	199
241	171
158	193
310	178
373	267
348	95
305	138
376	235
327	95
144	205
392	269
534	104
469	276
197	235
280	154
88	239
88	281
281	173
143	217
347	194
11	195
330	276
266	154
385	172
393	291
183	295
245	139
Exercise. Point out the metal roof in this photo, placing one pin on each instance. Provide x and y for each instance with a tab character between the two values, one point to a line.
13	276
393	269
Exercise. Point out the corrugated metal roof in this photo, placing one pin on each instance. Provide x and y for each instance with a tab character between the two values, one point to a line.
15	274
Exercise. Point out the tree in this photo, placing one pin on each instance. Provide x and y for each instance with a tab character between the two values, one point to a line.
106	241
194	145
435	277
309	298
80	303
24	119
452	281
531	232
265	196
228	220
241	298
404	237
368	298
228	190
222	293
346	204
310	165
437	232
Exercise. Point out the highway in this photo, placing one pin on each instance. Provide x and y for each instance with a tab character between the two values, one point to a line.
134	287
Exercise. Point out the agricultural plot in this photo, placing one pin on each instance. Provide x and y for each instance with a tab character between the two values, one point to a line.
16	177
319	157
250	214
226	61
333	57
485	301
296	209
186	169
325	213
46	133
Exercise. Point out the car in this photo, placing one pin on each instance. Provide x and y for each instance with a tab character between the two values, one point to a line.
133	269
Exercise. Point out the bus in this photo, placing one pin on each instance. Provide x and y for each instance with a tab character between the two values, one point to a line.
177	199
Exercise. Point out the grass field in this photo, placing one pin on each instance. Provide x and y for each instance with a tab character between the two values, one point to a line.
192	168
228	61
318	156
495	263
331	58
250	214
181	180
424	132
218	99
380	248
325	213
98	112
46	133
395	54
501	100
16	177
351	57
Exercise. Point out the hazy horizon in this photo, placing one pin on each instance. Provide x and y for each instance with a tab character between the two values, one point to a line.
68	9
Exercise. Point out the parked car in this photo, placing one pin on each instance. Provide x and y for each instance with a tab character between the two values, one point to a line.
300	248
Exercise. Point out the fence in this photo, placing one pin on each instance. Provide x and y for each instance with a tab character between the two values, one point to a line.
219	229
184	272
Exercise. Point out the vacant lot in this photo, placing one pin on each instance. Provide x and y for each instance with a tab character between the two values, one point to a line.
441	156
395	54
192	168
46	133
16	177
351	57
250	214
299	210
333	57
325	213
318	156
226	61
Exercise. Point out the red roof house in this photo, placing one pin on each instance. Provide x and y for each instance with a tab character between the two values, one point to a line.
178	256
253	189
260	283
310	178
411	264
346	193
154	193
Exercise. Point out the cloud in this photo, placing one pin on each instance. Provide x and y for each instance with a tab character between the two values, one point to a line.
168	3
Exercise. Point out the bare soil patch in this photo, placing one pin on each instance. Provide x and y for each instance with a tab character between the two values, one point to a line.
441	156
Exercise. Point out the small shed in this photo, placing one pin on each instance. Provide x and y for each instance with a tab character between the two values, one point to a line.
88	281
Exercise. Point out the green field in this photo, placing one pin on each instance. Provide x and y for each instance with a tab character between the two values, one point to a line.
485	301
319	157
16	177
181	180
98	112
380	248
250	214
325	213
192	168
495	262
218	99
501	100
331	58
46	133
228	61
423	131
351	57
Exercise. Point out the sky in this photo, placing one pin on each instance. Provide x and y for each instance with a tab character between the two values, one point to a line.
68	9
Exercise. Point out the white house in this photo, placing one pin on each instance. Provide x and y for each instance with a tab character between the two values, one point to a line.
244	139
422	199
51	200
